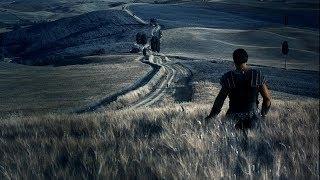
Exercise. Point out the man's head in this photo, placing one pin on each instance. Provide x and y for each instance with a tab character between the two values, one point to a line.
240	56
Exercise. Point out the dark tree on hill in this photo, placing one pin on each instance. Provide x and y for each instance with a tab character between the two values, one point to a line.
155	44
141	38
144	39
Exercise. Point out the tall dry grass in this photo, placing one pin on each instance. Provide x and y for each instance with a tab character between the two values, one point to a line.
158	143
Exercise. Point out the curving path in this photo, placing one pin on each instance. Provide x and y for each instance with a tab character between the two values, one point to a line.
176	77
109	99
173	73
159	91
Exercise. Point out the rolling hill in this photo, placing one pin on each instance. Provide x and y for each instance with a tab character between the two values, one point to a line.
92	33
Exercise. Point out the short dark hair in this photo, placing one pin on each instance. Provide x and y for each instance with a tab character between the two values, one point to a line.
240	56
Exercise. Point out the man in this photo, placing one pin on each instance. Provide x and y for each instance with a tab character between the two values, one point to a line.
243	86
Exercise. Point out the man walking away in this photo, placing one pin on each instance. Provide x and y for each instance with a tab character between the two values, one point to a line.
243	86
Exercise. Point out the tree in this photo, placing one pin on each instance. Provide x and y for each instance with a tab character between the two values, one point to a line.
144	39
141	38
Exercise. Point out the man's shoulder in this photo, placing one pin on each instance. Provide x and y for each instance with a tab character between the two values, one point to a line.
227	80
255	71
257	78
227	74
250	71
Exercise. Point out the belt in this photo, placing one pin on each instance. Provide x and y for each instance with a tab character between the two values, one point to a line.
243	115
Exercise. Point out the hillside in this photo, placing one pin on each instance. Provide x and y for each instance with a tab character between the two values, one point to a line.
45	89
92	33
263	45
195	14
81	107
211	31
34	11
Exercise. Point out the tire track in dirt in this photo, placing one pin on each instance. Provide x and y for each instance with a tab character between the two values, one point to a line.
106	101
176	84
159	92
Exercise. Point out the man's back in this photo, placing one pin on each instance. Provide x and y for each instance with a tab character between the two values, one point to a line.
243	89
243	86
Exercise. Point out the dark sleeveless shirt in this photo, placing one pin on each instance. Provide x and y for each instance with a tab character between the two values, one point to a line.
243	89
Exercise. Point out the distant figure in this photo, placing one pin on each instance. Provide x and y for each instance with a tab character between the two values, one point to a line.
243	86
144	52
155	44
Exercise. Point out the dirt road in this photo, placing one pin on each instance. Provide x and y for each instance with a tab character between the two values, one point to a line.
176	78
173	80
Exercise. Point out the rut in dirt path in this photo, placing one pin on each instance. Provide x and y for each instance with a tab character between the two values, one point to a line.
106	101
155	95
176	84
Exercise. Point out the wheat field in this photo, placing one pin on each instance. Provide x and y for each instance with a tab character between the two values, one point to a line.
60	122
155	143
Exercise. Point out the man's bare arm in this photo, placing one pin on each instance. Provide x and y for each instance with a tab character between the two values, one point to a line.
266	100
218	103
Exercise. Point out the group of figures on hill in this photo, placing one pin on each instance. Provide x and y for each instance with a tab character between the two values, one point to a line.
142	39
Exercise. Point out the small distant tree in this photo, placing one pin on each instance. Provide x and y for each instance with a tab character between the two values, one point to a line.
144	39
141	38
